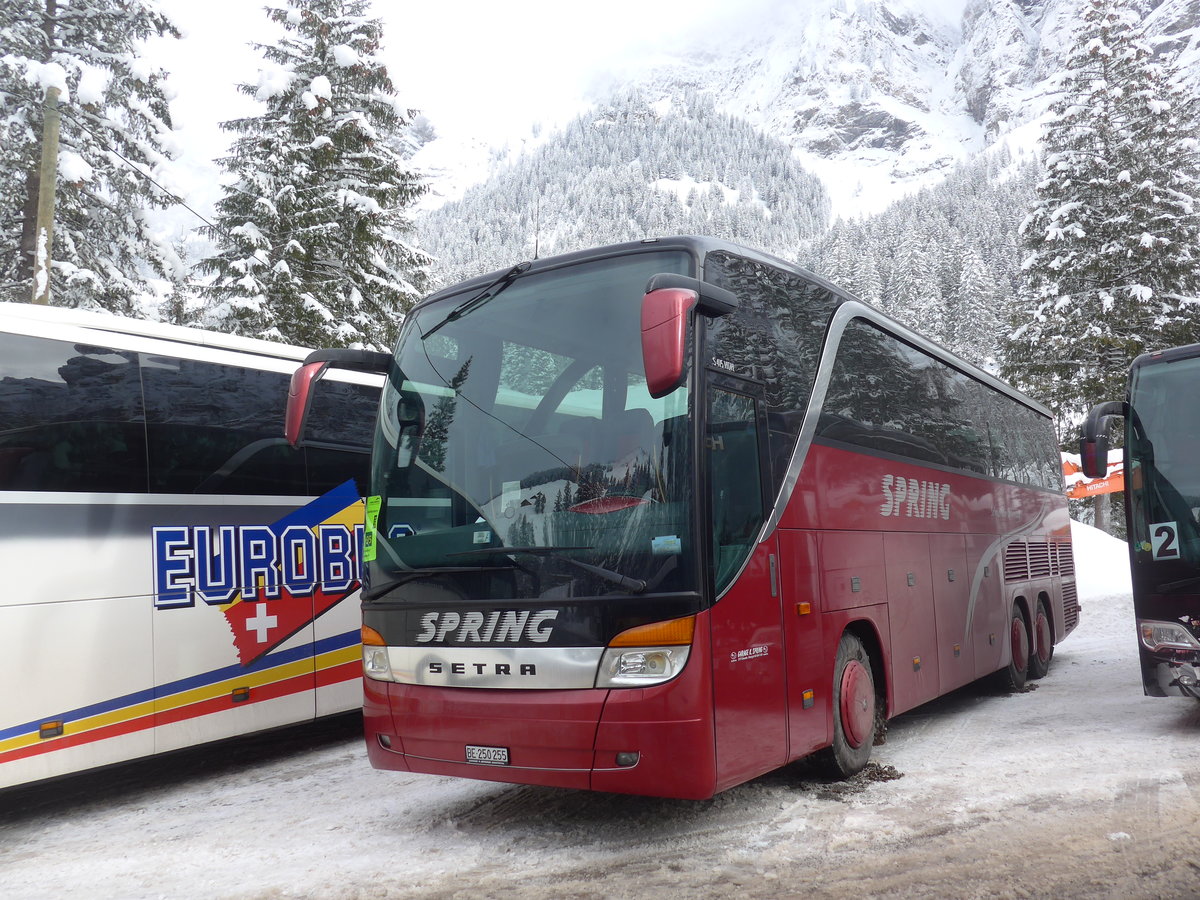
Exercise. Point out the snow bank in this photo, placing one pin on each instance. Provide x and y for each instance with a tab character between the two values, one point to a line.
1101	562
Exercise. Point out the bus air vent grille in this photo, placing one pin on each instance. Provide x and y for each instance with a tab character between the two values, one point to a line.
1039	559
1066	559
1070	605
1016	562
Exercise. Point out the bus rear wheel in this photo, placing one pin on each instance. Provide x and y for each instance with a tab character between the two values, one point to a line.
1043	642
1014	676
855	710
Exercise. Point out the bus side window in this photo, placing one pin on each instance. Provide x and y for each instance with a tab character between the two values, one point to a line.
338	439
71	417
215	429
734	472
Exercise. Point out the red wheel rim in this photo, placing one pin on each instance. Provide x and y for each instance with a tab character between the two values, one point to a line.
1042	629
1020	644
857	703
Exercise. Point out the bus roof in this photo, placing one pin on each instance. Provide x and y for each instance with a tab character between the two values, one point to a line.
110	323
1166	355
701	246
696	245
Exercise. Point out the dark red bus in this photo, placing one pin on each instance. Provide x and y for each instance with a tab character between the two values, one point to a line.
658	518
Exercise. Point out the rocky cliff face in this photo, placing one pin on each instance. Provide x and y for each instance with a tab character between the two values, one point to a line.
884	96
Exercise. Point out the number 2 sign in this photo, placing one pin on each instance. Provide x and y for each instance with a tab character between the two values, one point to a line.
1164	540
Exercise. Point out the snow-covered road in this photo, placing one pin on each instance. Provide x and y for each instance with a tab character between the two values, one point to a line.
1080	788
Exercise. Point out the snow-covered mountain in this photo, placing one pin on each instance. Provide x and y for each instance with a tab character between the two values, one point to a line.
879	98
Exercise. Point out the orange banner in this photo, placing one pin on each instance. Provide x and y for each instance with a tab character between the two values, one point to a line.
1113	483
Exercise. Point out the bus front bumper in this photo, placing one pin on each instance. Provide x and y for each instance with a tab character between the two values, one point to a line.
645	741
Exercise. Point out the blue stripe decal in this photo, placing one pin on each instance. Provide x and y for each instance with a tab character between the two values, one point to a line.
325	645
324	507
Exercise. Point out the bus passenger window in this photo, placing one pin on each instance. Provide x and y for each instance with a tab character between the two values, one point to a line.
215	429
71	417
733	455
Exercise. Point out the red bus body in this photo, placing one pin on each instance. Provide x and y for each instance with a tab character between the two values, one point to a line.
727	719
929	575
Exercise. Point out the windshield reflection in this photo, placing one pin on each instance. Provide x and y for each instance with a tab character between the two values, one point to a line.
519	454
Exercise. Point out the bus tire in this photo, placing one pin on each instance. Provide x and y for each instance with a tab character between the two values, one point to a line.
1013	677
1042	649
855	710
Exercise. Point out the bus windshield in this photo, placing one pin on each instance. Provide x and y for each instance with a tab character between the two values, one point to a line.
519	454
1164	434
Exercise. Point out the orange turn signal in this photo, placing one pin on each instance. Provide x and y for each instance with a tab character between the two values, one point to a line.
372	638
672	633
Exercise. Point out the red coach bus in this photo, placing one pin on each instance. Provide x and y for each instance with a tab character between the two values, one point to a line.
660	517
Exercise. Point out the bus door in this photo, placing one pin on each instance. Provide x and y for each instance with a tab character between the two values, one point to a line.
747	643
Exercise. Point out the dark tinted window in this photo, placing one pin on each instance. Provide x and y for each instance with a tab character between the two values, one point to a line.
732	444
215	429
70	417
774	336
888	396
338	433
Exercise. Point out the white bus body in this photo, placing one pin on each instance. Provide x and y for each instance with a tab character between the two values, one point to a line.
177	574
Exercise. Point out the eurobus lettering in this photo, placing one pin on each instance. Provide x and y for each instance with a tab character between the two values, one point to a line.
196	576
660	517
1162	496
218	564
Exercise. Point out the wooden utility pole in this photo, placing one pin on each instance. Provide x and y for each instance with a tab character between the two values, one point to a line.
47	182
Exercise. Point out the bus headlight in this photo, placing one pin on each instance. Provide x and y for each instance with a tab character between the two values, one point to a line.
640	667
376	664
647	655
1158	636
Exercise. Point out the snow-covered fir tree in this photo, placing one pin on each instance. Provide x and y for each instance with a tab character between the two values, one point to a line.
944	261
313	227
1113	264
628	170
114	138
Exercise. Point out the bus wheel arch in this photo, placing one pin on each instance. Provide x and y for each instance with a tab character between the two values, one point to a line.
1041	636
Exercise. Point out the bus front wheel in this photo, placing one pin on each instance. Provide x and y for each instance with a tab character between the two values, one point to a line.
854	710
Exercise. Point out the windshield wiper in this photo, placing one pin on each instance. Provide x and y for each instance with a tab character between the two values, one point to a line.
633	585
408	575
487	293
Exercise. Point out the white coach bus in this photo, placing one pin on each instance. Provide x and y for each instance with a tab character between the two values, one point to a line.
176	572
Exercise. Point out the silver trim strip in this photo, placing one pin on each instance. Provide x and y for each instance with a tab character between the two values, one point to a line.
847	311
508	668
854	309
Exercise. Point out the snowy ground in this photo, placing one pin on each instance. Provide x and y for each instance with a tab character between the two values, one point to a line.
1080	788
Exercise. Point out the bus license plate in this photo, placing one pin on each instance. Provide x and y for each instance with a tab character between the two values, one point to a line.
492	756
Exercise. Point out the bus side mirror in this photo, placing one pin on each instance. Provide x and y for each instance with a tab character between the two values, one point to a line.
304	381
410	426
410	412
666	325
1093	446
300	392
1093	456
